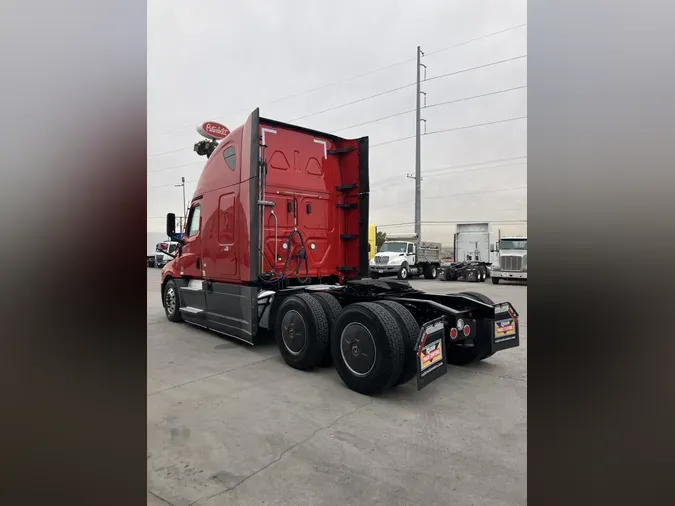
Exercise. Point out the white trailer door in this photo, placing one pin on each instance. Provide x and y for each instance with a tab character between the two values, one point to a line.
473	242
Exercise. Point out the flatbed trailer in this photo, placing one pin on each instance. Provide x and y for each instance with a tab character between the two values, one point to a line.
276	240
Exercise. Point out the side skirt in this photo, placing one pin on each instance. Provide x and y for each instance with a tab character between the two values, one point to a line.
232	310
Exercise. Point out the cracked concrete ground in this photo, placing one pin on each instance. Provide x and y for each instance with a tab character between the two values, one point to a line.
230	424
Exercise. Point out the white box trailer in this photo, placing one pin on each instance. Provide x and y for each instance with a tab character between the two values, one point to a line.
473	244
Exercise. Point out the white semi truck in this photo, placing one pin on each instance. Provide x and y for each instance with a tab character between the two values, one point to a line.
512	260
406	256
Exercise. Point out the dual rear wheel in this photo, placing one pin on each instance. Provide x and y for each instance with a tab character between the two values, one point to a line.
371	344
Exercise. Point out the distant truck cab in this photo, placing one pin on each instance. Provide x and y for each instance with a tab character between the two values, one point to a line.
512	261
277	239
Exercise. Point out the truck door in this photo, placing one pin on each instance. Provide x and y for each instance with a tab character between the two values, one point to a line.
410	254
193	298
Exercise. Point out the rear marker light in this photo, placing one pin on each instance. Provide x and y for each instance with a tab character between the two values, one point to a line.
467	330
453	333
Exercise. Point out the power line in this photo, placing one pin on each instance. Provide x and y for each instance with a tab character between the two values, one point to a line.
431	106
450	222
174	167
406	86
168	152
358	76
288	97
473	169
382	94
476	39
443	169
456	195
375	145
475	68
449	130
353	102
473	164
476	169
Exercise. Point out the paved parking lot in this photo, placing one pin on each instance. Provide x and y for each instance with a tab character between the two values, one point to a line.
230	424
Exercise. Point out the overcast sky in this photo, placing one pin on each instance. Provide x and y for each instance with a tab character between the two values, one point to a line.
218	60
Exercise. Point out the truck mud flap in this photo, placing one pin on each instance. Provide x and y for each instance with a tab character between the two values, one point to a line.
505	329
431	353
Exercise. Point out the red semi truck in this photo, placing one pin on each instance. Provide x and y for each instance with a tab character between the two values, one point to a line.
276	240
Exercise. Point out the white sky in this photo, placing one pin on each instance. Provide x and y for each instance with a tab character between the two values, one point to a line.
218	60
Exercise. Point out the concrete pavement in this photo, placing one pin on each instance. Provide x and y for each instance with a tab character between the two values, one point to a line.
232	424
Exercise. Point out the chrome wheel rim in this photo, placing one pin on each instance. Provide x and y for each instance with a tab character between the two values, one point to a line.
170	300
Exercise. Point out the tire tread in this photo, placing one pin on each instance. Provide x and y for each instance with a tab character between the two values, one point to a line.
410	329
333	310
320	336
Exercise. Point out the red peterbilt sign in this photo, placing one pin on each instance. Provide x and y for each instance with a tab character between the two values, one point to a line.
213	130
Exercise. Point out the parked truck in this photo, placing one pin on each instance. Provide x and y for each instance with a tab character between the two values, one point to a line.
160	249
472	253
276	240
512	260
406	256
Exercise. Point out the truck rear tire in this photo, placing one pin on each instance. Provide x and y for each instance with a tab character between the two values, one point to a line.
410	330
301	331
404	272
368	348
495	281
430	272
333	310
479	297
457	355
171	301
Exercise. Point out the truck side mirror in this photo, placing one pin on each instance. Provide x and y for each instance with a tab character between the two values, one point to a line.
171	225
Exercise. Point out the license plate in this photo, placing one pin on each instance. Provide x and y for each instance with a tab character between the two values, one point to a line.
505	330
380	271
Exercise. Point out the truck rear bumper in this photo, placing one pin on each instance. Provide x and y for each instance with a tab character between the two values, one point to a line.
508	275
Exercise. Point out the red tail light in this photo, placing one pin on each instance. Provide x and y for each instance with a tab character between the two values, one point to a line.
453	333
467	330
162	246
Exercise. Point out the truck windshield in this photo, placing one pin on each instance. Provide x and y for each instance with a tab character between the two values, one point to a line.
393	247
506	244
